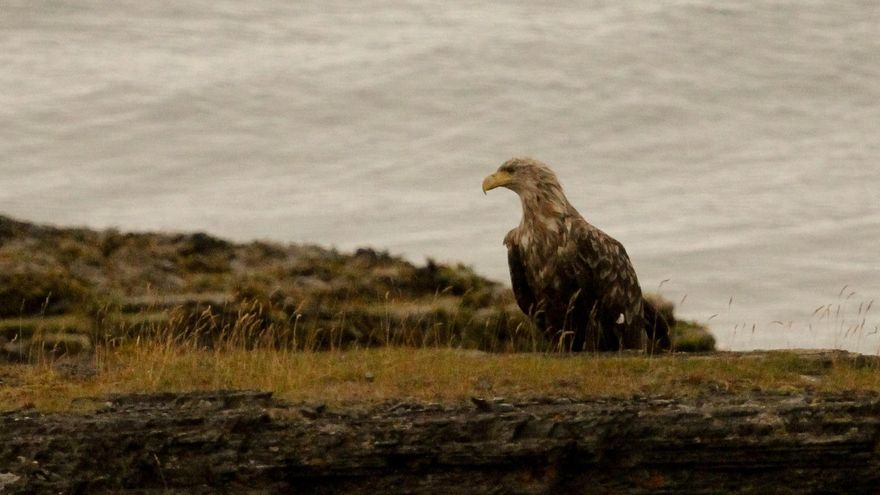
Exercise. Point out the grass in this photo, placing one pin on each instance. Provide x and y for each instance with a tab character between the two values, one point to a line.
420	357
419	374
179	312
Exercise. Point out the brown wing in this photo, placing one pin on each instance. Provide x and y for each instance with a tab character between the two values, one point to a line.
524	295
603	269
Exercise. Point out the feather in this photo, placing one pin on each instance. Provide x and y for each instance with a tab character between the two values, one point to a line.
525	299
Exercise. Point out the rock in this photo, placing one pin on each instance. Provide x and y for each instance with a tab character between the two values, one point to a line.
312	412
7	479
16	351
248	442
59	344
46	345
75	369
482	404
497	404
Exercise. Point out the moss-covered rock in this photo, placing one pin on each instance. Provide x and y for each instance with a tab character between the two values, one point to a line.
689	336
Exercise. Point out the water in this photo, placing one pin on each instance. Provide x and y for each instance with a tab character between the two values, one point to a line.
732	146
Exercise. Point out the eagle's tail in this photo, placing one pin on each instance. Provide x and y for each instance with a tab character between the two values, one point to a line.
657	325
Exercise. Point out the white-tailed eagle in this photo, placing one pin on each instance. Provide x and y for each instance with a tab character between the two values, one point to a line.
576	282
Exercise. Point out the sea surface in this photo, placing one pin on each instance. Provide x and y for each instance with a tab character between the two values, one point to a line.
732	146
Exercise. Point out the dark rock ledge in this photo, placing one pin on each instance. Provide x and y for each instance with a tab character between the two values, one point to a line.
248	442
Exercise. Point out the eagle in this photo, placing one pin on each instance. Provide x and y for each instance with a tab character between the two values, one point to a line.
573	280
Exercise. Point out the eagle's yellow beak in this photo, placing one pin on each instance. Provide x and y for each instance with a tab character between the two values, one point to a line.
497	179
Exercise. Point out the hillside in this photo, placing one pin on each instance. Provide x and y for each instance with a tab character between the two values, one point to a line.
67	289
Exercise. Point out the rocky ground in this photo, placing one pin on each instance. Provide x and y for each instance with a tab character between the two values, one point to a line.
248	442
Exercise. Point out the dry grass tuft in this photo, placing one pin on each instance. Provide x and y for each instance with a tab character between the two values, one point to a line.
419	374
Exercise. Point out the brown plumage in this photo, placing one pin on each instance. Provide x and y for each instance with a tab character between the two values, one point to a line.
575	281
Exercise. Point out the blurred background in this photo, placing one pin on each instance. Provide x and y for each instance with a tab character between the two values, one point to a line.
732	146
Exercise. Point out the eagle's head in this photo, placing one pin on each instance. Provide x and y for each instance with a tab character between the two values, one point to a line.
522	176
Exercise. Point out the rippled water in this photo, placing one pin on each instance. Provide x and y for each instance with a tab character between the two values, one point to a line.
732	146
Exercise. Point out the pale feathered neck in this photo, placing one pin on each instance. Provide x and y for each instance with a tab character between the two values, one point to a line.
544	207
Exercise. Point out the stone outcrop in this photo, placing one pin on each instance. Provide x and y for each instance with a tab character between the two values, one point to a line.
248	442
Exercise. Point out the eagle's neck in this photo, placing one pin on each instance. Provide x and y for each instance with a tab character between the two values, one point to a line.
544	211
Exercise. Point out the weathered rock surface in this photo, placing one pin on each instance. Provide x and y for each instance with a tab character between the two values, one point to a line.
248	442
